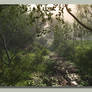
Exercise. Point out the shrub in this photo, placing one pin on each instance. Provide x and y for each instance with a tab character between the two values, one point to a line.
65	50
83	59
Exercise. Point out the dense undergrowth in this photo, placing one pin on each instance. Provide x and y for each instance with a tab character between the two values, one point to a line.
81	55
36	69
28	69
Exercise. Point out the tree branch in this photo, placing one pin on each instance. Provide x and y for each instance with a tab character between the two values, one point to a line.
68	10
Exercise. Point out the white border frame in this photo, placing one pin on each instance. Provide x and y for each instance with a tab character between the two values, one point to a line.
45	1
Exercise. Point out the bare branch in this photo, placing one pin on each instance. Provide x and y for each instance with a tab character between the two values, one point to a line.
88	28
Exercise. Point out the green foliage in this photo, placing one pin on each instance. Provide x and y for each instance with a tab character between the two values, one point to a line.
65	50
83	58
16	71
15	28
39	80
50	67
30	64
22	65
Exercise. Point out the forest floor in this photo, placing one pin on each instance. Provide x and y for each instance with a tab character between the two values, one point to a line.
65	71
60	73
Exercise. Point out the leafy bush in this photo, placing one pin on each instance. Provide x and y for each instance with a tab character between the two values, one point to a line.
83	59
22	65
50	67
65	50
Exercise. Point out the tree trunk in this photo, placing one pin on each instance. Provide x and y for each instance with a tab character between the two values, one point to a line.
5	48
